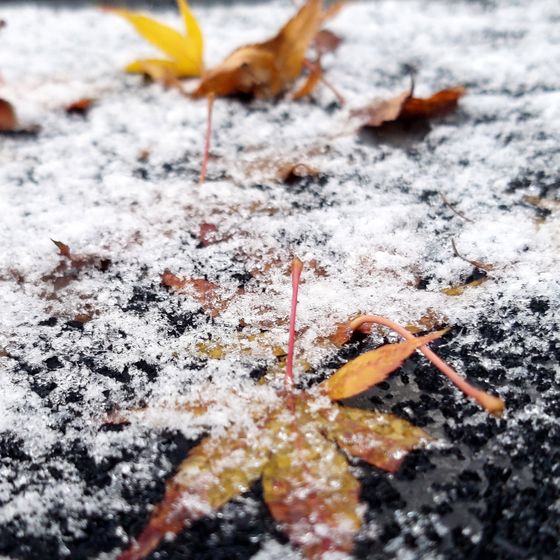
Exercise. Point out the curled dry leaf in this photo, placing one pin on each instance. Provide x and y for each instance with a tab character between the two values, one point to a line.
307	483
8	119
405	107
266	69
184	51
371	368
293	172
344	332
80	107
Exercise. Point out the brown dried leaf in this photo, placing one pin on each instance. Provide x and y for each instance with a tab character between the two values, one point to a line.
381	439
266	69
70	266
344	332
371	368
172	281
406	107
293	172
310	490
80	107
8	119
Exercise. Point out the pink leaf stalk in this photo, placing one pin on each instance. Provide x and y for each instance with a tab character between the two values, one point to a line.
297	267
494	405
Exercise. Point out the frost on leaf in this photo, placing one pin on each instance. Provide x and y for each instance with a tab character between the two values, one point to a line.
381	439
307	483
299	445
184	51
266	69
311	492
406	107
214	472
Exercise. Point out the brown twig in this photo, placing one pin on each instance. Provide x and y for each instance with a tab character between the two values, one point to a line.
452	208
476	264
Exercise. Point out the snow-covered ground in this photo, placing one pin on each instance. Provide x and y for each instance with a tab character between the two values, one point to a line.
122	184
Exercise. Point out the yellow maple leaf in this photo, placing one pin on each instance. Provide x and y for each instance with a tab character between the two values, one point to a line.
184	51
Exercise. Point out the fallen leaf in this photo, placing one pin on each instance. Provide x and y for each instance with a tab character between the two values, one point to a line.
215	471
311	492
430	321
8	119
266	69
293	172
307	482
545	205
405	107
70	266
172	281
344	332
80	107
372	367
184	51
493	404
209	234
460	290
63	249
375	437
205	292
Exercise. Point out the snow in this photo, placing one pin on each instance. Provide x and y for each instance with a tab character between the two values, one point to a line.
377	226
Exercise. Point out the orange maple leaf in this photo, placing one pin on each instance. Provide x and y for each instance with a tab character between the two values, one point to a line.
307	482
268	68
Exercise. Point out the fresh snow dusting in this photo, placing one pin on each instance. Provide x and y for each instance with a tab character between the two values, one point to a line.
375	229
